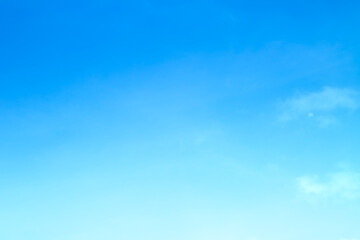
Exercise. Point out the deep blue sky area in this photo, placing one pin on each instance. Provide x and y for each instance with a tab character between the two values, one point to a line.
68	41
181	120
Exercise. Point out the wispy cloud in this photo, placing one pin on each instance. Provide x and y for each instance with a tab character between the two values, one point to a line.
321	105
344	185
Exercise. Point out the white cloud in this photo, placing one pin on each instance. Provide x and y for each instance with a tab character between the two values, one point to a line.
321	105
344	185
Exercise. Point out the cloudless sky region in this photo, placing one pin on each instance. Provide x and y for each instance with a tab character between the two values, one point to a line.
179	120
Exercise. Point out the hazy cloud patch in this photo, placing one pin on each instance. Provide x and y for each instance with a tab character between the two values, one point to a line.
321	106
345	185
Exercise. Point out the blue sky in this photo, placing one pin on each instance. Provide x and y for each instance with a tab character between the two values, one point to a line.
198	120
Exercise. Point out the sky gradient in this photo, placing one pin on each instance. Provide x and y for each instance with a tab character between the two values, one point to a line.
181	120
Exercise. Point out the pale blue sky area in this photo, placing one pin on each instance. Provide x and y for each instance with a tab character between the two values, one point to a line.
182	120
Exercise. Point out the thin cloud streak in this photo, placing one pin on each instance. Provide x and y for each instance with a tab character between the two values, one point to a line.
320	106
344	185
